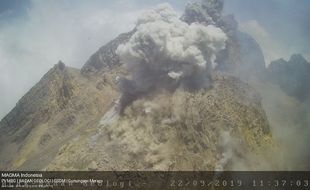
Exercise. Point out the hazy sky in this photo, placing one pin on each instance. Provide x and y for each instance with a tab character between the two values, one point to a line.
35	34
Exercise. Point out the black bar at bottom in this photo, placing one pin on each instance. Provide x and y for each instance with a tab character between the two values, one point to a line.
155	180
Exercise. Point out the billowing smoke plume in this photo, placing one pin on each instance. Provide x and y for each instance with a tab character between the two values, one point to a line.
168	52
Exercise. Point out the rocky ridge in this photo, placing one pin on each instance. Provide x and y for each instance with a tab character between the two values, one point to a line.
50	114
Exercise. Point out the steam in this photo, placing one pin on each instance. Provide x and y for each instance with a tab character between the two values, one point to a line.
227	143
165	48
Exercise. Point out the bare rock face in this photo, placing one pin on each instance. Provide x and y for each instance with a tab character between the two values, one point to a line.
55	87
57	108
223	128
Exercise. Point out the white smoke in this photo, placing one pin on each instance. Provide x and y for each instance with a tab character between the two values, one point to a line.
227	144
168	46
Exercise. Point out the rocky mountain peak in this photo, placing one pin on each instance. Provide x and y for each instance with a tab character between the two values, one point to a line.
292	76
49	114
48	96
61	65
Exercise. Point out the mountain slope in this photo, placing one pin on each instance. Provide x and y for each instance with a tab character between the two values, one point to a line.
51	113
223	128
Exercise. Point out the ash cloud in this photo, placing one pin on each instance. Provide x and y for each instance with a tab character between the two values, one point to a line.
166	50
206	11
